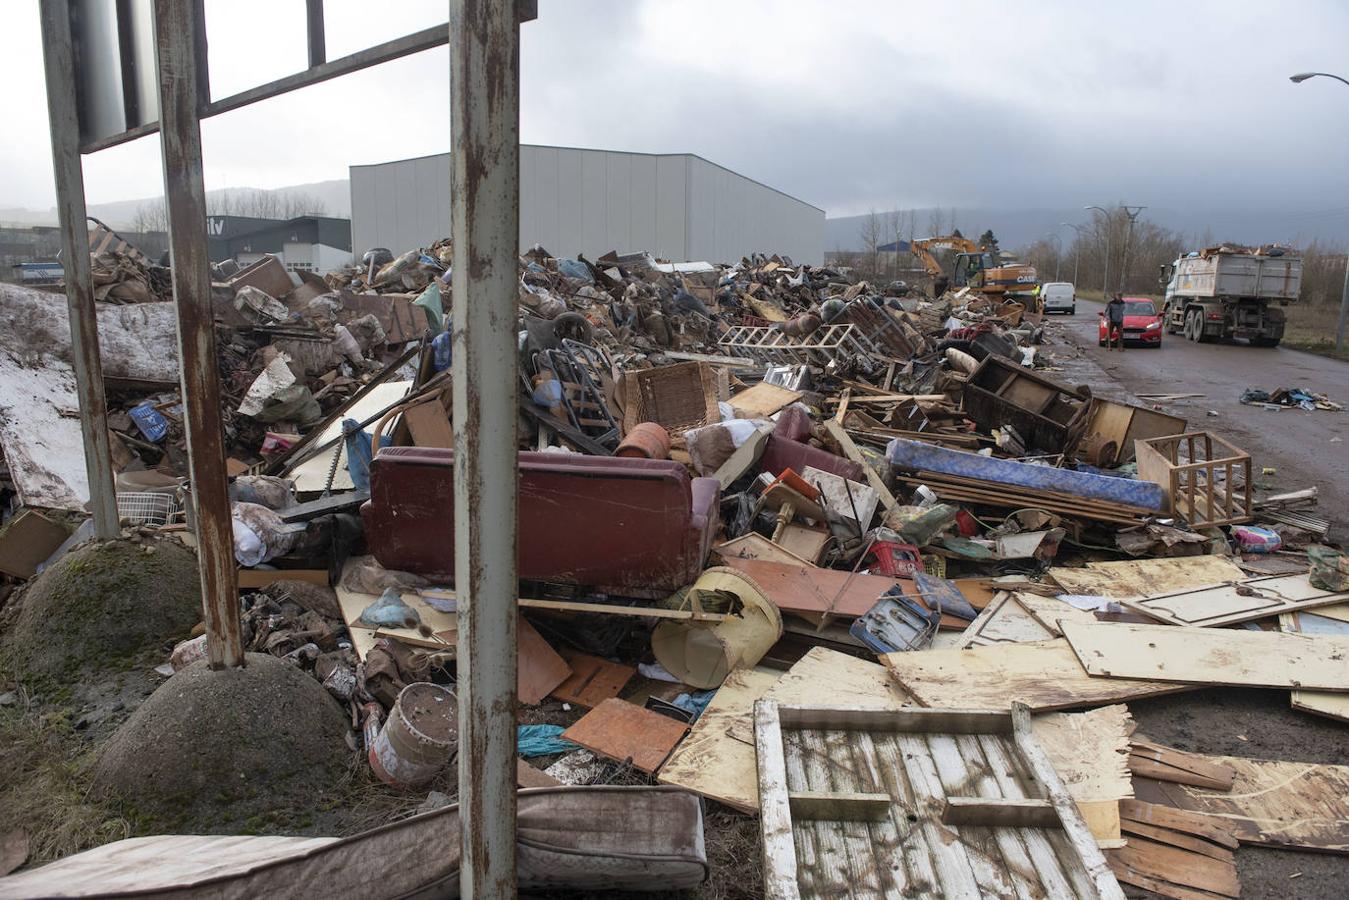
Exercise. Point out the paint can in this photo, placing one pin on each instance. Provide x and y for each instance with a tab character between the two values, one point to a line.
419	738
647	440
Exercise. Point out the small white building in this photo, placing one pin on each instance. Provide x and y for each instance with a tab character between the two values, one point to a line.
572	201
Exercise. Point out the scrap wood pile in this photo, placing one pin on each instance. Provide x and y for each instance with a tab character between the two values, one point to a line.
816	553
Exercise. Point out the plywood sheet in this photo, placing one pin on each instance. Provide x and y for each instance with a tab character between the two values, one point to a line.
851	499
713	762
1175	854
1004	621
26	542
1045	675
312	474
1251	598
1272	803
363	636
762	400
810	591
1141	577
541	669
621	730
1169	764
1203	656
1049	611
1321	703
753	545
592	680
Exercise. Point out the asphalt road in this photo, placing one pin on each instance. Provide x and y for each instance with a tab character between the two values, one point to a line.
1305	448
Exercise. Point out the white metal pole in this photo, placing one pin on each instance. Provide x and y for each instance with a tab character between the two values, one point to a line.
485	211
1344	308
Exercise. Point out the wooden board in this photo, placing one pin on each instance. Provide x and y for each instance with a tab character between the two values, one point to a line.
592	679
1272	803
1004	621
621	730
762	400
363	636
1049	611
27	541
743	459
429	425
850	499
1141	577
812	592
541	669
1229	604
526	776
1321	703
1169	764
252	579
1203	656
755	546
711	761
1045	675
845	443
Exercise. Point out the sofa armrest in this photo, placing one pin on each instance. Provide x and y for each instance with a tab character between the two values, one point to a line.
706	497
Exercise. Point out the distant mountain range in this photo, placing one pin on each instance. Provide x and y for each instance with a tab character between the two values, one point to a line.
335	195
1020	228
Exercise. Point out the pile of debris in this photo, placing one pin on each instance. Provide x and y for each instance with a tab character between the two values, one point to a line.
812	551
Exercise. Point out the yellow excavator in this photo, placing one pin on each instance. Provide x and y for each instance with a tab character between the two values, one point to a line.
980	268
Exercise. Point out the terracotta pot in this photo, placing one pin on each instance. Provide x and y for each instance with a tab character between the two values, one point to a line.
647	440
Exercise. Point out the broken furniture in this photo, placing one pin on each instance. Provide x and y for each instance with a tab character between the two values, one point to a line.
909	802
635	527
781	454
1048	417
678	398
1109	421
1207	480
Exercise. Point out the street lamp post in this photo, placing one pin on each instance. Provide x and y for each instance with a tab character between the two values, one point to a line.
1077	249
1105	274
1344	294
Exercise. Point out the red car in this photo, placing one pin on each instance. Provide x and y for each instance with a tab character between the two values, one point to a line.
1142	323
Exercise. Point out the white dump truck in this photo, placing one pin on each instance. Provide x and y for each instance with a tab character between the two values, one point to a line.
1228	292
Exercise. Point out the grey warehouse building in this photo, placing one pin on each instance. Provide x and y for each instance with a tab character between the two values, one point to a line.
678	206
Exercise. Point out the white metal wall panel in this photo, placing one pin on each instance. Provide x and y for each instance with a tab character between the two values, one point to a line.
572	201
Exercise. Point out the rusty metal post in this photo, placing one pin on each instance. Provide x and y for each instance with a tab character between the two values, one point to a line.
485	213
177	27
85	356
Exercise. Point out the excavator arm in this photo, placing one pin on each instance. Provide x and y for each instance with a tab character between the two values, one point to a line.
922	249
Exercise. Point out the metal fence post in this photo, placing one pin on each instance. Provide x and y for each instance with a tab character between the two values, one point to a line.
57	53
177	28
485	210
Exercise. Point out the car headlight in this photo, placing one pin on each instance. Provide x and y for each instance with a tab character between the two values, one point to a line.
1153	327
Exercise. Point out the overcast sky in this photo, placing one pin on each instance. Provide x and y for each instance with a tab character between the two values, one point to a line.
848	105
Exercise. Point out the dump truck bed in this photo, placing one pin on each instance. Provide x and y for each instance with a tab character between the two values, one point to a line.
1240	275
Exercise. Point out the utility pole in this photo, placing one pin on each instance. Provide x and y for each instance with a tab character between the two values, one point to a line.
1132	212
1105	274
1344	308
1077	249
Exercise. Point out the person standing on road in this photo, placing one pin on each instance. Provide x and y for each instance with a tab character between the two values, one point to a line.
1114	322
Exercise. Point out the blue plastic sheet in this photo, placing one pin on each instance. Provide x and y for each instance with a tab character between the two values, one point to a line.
359	452
542	740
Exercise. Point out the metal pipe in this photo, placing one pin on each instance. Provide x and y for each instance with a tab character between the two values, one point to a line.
484	215
86	358
1105	275
177	27
318	49
1132	212
1344	308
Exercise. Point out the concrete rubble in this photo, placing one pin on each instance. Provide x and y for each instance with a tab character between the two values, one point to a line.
846	558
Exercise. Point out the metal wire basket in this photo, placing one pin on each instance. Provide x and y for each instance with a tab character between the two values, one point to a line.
145	508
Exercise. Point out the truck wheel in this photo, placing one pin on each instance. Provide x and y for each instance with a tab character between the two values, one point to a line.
1191	322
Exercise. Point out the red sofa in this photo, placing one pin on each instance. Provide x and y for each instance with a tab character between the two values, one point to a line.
635	527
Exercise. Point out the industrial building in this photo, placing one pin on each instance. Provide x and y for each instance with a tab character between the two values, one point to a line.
572	201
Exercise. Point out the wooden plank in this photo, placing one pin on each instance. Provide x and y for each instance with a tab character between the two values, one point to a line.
1211	655
650	612
363	636
1140	577
1004	621
753	545
1241	601
1211	828
592	680
1090	751
924	721
252	579
1179	866
1272	803
1129	875
27	541
541	669
1079	836
1169	764
526	776
1044	675
1178	839
994	811
625	731
712	761
775	814
850	450
840	807
812	591
762	400
1049	611
429	424
1321	703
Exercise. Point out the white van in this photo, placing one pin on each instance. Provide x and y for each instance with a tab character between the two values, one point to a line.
1059	296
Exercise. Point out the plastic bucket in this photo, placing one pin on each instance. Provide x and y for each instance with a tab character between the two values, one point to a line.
647	440
420	737
703	653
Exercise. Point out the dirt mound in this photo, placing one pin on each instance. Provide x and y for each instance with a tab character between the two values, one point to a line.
211	752
99	605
